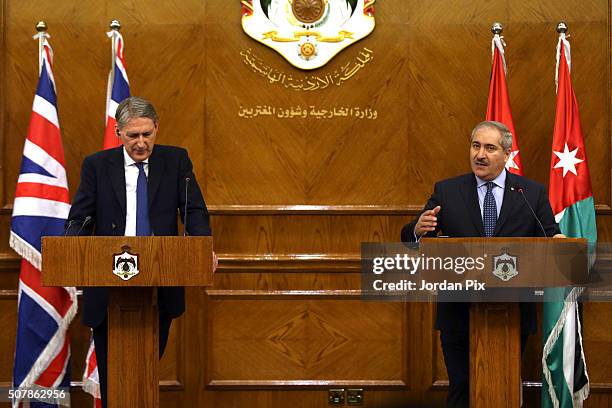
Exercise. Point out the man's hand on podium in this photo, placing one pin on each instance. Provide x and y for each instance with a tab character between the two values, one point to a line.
559	236
427	222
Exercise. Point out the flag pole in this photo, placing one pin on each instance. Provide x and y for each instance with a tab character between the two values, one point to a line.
41	27
497	29
562	29
118	85
115	27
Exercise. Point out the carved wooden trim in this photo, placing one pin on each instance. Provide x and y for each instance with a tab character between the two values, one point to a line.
532	385
7	294
286	294
313	209
228	210
171	385
229	263
310	384
76	386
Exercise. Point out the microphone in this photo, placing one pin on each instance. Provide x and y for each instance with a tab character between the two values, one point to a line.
187	180
85	222
521	191
72	221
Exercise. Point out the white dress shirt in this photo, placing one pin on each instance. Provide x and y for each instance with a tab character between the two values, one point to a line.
131	180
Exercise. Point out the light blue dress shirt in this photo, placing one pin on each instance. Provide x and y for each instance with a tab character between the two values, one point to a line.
498	191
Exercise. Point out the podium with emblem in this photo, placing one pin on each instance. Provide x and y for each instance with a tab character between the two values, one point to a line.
515	270
132	268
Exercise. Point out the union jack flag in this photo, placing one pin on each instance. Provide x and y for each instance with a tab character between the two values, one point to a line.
91	379
118	89
42	356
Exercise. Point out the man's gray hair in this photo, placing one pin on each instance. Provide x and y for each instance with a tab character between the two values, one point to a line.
506	135
132	108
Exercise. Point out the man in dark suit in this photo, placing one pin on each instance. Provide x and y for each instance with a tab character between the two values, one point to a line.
133	190
485	203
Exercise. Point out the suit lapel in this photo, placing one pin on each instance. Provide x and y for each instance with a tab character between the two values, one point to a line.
116	170
156	169
470	197
508	204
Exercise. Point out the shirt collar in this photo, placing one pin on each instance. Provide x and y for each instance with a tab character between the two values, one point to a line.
500	181
128	160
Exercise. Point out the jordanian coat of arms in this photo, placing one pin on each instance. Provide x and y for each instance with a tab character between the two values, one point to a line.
125	265
308	33
505	266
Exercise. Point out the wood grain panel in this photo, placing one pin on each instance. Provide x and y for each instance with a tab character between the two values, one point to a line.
172	363
306	342
304	161
598	343
8	318
340	234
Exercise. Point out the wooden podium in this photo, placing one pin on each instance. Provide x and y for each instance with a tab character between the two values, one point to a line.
495	344
133	348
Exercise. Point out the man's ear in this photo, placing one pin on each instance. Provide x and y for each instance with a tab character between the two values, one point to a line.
116	130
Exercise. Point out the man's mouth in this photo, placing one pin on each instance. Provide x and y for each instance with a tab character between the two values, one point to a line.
481	164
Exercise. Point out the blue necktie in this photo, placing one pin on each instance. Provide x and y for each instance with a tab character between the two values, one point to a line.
143	228
489	211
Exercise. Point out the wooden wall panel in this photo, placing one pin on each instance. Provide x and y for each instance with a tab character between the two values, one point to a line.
292	199
7	336
309	234
305	341
303	161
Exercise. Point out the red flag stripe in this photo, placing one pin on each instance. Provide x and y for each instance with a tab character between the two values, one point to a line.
44	191
47	136
59	299
56	368
92	362
110	136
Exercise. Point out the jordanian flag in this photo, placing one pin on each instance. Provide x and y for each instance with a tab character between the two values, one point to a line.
566	383
498	105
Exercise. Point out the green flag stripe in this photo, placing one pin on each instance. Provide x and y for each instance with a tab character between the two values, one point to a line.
577	221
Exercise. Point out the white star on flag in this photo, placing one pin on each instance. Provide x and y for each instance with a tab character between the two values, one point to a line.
567	160
510	164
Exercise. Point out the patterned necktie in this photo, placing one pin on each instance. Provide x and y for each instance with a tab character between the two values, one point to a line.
489	211
143	228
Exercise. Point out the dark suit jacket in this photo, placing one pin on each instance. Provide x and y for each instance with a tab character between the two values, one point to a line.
102	196
460	216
